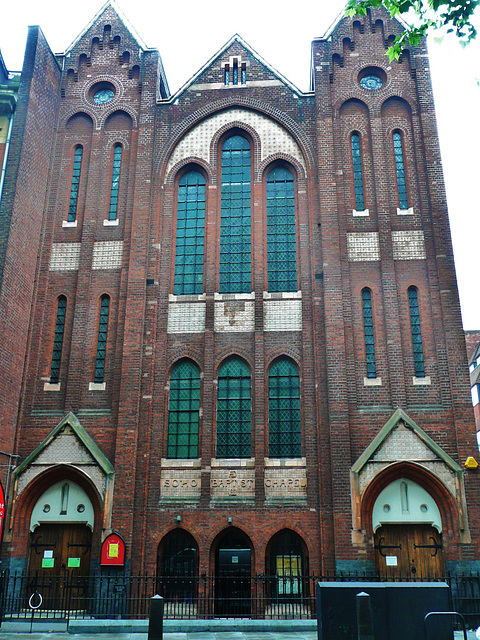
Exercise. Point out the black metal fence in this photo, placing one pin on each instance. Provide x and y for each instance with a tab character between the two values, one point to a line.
200	597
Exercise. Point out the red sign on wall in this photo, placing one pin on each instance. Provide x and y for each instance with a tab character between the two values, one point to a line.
2	510
113	551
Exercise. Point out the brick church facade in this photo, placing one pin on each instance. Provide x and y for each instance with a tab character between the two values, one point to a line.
235	315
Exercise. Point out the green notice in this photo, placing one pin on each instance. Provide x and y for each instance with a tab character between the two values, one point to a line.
73	562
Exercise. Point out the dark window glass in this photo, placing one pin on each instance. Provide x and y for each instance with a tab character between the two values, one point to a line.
234	410
183	411
177	571
368	331
117	161
102	339
244	74
284	410
227	75
416	332
281	236
77	165
235	249
58	340
400	168
235	72
357	172
190	234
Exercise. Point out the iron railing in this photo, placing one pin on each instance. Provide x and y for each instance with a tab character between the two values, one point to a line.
191	597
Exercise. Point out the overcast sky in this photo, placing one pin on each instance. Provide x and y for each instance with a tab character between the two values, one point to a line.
188	33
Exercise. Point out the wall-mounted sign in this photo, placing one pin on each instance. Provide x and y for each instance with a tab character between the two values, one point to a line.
113	551
73	563
48	563
391	561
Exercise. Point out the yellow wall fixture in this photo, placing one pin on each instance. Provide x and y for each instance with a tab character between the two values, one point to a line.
471	463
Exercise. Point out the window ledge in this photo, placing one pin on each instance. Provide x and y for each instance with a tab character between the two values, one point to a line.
405	212
233	462
285	462
69	225
48	386
372	382
359	214
97	386
426	381
282	295
234	296
110	223
187	298
174	463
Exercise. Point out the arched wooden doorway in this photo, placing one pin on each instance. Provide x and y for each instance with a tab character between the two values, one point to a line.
408	533
177	574
233	561
61	527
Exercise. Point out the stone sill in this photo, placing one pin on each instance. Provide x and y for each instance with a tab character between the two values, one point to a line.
285	462
173	463
233	463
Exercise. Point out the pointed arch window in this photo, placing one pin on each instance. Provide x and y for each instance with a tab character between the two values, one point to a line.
102	339
281	235
284	426
58	340
189	250
117	162
368	332
400	170
416	332
183	411
77	166
235	241
234	410
357	171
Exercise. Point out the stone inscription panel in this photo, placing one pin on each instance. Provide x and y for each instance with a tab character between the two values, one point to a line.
180	484
285	483
230	483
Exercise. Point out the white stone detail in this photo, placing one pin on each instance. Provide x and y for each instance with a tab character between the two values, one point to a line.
186	317
53	506
232	483
235	315
107	255
273	137
372	382
364	213
405	212
425	381
282	315
69	224
408	245
65	256
285	483
363	247
180	484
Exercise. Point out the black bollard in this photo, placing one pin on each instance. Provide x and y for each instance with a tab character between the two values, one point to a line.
155	622
364	617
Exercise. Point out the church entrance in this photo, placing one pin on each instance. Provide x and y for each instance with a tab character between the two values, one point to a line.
232	575
412	551
58	565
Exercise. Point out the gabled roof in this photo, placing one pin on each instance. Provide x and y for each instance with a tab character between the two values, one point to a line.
81	434
122	18
401	416
239	39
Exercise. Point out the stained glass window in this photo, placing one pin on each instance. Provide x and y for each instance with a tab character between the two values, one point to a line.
368	333
190	234
117	161
58	340
183	411
284	424
235	248
400	168
281	236
102	339
357	172
234	410
416	332
77	165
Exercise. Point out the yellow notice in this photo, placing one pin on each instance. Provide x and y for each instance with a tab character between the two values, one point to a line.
113	550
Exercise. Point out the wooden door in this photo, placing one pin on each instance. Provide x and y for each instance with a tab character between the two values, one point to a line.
59	564
409	551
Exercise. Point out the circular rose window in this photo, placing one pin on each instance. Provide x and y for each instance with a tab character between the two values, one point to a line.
372	78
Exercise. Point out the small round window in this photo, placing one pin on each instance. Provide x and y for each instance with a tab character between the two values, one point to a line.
372	78
102	92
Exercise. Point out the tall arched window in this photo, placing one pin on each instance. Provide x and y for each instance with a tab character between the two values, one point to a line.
235	241
400	170
234	410
416	332
284	425
77	166
368	332
183	411
102	339
357	171
190	234
58	340
117	161
281	236
177	571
